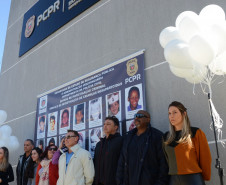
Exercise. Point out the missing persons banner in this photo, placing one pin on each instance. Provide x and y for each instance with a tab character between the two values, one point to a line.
82	105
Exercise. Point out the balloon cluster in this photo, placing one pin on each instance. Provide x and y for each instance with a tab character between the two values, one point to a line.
11	142
196	47
3	116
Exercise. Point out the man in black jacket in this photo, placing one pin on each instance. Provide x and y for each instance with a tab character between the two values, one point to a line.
142	161
107	153
23	161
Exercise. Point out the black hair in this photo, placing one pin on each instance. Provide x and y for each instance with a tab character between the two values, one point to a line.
29	173
45	153
80	108
65	111
114	119
41	142
52	117
31	141
52	140
75	133
134	89
42	119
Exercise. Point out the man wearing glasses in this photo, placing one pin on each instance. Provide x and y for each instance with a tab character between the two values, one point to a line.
107	153
142	160
76	165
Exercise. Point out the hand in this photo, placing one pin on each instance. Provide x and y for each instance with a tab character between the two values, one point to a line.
0	180
61	144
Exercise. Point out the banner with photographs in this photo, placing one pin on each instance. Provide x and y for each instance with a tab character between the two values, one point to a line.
83	104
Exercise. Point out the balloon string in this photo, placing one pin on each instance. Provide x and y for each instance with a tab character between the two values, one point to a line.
222	80
194	88
218	124
206	82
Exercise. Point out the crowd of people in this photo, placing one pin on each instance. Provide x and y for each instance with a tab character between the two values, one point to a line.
144	156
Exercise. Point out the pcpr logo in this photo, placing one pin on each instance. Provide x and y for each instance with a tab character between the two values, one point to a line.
29	26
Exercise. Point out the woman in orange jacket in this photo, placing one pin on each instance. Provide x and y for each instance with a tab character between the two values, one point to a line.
186	149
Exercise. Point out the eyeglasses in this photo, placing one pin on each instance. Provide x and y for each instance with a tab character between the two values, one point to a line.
139	116
68	137
52	149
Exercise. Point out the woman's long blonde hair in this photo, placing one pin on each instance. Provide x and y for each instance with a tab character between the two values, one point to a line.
186	134
5	161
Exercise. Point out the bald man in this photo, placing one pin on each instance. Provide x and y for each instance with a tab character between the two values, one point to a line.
142	161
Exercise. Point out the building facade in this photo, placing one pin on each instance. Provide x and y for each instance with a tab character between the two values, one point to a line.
105	32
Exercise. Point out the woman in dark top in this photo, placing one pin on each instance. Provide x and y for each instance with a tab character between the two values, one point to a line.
33	163
6	171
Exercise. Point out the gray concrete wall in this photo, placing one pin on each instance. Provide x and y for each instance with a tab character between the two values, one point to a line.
108	31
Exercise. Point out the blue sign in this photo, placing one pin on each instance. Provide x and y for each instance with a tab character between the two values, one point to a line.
45	17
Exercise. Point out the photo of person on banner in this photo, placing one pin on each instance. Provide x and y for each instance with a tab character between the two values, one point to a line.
94	137
113	104
79	117
41	126
43	104
95	112
41	144
52	141
65	120
52	126
134	99
130	125
82	139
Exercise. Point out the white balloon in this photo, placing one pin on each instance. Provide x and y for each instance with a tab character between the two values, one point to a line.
195	79
218	33
5	140
3	116
5	130
13	143
168	34
189	26
212	14
181	72
200	70
183	15
176	53
2	143
218	66
222	60
201	50
198	75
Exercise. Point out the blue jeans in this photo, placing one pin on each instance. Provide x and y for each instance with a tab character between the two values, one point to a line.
190	179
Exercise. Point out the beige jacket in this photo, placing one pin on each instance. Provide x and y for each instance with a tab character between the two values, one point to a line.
80	169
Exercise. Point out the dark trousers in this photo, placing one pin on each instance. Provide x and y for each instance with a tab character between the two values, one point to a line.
190	179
